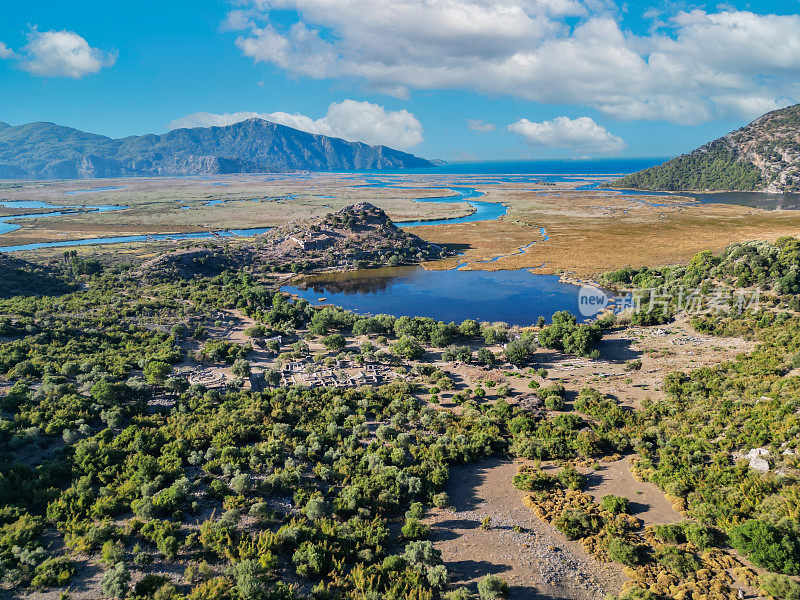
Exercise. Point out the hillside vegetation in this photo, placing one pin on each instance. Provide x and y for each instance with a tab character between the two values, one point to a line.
762	156
50	151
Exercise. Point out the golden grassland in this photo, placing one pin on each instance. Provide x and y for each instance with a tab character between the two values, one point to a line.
589	233
156	205
586	232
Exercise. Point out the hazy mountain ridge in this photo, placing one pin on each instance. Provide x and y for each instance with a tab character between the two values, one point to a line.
50	151
761	156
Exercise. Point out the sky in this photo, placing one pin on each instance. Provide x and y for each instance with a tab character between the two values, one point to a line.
449	79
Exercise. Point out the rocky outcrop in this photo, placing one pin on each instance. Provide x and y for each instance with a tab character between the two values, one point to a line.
358	236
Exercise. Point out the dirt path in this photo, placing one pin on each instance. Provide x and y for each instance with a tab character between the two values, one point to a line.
536	561
646	501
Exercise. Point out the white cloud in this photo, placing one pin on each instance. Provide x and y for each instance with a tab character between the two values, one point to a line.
59	54
581	134
479	126
690	67
349	119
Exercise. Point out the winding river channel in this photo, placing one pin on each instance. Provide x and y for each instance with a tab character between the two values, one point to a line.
513	296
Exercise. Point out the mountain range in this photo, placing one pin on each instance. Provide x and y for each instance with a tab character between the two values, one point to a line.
762	156
50	151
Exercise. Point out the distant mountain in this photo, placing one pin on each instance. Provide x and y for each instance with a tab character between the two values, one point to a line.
762	156
49	151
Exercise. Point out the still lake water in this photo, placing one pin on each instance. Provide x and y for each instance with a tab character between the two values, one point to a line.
517	297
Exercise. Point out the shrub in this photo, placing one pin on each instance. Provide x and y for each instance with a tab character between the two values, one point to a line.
316	509
441	500
678	561
554	402
414	530
250	583
576	523
531	480
116	581
437	576
768	546
625	552
670	533
457	594
422	553
700	535
633	365
53	572
571	479
780	586
492	587
615	504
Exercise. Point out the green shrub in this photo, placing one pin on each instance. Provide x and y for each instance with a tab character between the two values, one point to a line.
492	587
768	546
553	402
532	480
615	504
53	572
116	581
671	533
701	536
625	552
415	530
576	523
678	561
571	479
441	500
780	587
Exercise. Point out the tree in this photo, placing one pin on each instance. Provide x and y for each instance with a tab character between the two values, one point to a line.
469	328
408	347
335	341
241	368
156	371
486	357
518	351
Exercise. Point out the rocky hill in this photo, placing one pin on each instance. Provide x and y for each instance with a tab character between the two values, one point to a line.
358	236
49	151
762	156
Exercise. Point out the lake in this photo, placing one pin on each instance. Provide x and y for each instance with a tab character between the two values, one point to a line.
517	297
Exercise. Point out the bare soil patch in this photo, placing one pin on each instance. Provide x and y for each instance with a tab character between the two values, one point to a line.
536	560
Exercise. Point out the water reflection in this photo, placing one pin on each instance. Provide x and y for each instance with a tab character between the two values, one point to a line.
517	297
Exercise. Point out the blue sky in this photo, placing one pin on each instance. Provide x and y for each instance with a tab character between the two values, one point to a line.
536	78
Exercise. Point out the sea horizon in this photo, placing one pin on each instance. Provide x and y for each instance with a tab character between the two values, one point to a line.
594	166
